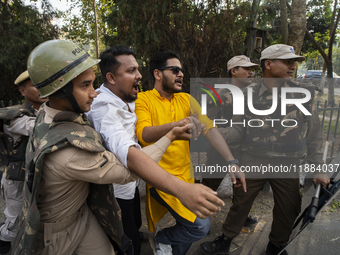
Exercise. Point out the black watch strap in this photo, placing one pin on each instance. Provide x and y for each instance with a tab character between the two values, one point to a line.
235	161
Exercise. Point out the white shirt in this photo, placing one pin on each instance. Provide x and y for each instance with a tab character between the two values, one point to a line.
111	118
20	126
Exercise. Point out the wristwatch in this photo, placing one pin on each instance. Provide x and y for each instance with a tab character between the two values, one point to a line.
234	161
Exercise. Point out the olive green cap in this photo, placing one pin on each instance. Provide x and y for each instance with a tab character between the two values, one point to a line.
53	64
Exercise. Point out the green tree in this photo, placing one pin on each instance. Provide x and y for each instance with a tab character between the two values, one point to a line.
22	28
336	59
328	57
205	35
82	28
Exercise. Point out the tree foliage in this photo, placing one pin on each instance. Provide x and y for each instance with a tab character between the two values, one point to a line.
80	28
319	15
22	28
328	58
204	34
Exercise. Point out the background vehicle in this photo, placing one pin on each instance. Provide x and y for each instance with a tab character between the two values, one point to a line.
314	76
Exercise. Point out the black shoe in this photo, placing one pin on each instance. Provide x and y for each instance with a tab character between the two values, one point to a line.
274	250
5	247
250	221
220	246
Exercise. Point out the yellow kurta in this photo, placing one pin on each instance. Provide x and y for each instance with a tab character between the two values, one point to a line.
154	110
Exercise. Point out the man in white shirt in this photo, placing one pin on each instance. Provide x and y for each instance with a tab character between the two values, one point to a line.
112	115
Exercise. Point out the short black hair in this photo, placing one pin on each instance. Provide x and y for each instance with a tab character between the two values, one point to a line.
108	62
24	82
229	72
159	60
263	66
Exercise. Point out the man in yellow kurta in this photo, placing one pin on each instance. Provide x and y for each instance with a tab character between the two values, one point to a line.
158	111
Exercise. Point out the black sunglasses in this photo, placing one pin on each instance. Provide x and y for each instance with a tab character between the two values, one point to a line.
175	69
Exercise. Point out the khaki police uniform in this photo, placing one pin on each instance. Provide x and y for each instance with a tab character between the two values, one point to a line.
67	224
213	156
273	146
224	111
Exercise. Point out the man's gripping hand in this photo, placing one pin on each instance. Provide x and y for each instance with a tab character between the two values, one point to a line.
179	133
199	199
196	127
323	179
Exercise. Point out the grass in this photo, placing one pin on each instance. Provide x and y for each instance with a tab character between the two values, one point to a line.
332	129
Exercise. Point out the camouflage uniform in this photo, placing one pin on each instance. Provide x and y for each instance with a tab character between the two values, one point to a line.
58	227
275	146
220	112
13	149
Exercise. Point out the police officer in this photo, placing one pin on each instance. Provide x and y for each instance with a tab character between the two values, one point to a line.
18	125
240	71
62	212
273	145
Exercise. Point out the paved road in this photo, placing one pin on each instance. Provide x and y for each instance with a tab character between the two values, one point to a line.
320	238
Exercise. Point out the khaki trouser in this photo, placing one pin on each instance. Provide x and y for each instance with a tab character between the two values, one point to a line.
84	236
287	199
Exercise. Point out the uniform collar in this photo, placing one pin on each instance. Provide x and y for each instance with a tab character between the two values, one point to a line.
50	113
263	88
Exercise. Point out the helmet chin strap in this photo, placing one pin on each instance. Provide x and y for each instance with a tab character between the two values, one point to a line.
68	89
66	92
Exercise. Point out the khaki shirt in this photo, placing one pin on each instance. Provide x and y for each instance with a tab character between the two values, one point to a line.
236	134
67	173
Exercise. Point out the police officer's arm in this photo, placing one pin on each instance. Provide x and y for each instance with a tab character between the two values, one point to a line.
22	126
235	133
231	135
222	147
314	145
156	150
198	198
216	139
103	168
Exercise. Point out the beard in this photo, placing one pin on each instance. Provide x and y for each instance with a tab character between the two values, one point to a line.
169	86
129	98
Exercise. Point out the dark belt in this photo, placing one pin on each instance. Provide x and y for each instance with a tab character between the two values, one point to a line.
59	226
278	147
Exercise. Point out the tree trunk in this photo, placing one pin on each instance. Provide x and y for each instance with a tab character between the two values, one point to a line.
334	25
96	26
330	82
251	31
284	21
97	38
297	28
323	78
